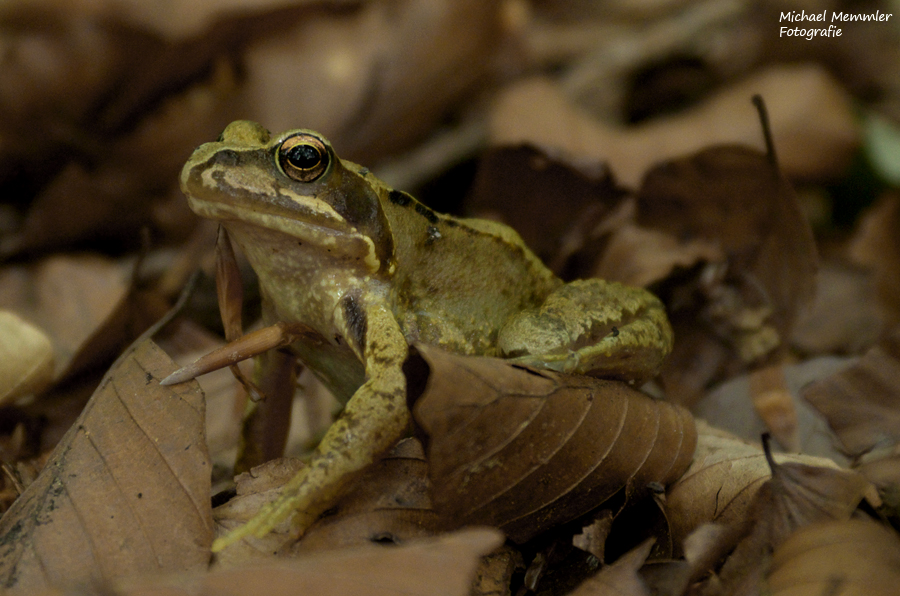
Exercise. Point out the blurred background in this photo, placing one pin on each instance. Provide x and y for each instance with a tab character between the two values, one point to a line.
101	101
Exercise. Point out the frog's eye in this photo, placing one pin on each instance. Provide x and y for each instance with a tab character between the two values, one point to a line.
303	157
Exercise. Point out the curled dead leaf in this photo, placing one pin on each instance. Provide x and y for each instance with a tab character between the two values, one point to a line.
526	450
735	197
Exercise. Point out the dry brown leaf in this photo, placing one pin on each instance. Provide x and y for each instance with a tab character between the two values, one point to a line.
126	491
620	578
844	317
593	536
26	358
526	450
84	303
547	198
797	495
99	111
737	312
495	572
370	76
738	309
801	494
720	484
181	17
813	123
850	558
639	256
390	503
442	566
735	197
884	473
102	117
185	341
58	62
877	246
729	406
132	186
254	489
862	403
862	406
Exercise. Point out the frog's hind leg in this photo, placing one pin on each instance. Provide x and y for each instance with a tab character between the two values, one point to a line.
593	327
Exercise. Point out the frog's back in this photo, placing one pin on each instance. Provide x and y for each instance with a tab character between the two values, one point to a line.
457	281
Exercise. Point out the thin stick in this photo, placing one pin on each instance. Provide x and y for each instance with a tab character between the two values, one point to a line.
167	318
767	130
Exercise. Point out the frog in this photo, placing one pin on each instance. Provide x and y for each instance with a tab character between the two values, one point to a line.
366	271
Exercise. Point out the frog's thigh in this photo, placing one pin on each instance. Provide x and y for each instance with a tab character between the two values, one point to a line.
592	327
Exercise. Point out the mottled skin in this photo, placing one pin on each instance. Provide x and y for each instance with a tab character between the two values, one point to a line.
372	271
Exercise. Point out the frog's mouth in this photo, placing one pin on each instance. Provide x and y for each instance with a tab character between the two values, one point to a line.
235	197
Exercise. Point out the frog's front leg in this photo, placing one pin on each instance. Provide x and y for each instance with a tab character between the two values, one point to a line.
592	327
374	419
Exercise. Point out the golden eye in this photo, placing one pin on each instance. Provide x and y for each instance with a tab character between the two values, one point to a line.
303	157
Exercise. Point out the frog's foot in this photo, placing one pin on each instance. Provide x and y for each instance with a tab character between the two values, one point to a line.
374	419
293	502
592	327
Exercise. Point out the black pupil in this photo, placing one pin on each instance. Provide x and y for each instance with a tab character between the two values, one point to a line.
303	157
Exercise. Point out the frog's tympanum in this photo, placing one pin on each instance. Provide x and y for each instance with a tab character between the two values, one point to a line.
372	271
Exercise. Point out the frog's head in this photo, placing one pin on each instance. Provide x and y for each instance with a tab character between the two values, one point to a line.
294	184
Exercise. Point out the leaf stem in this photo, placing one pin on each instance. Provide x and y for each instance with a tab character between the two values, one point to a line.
767	130
767	450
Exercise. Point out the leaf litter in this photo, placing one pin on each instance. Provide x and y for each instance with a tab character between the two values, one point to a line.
681	200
